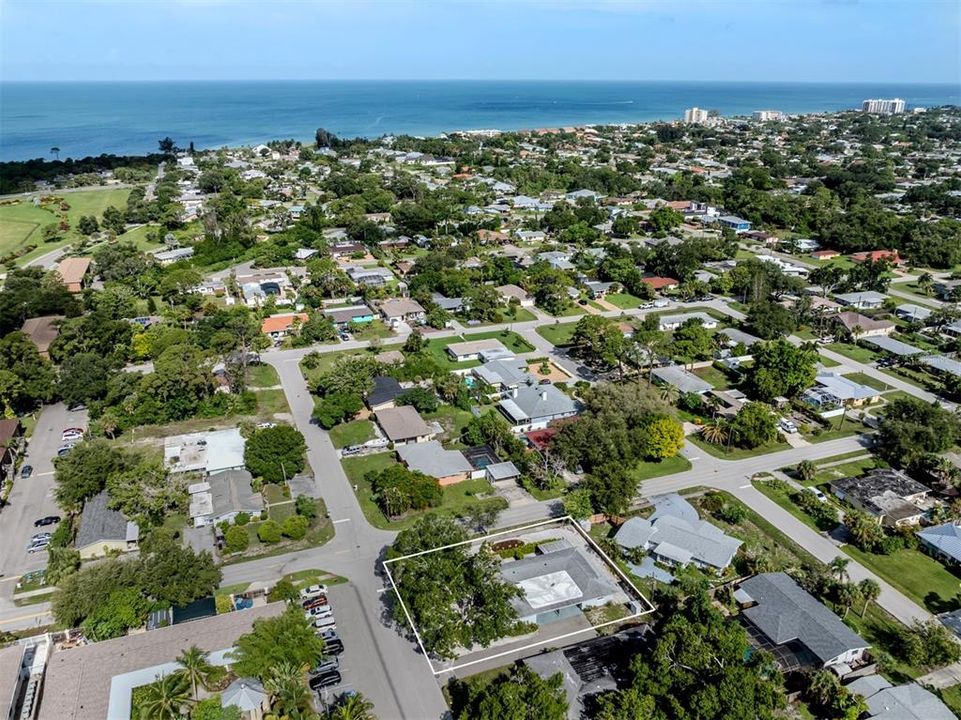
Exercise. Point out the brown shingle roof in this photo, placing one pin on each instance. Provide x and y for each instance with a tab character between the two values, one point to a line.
42	331
73	269
402	423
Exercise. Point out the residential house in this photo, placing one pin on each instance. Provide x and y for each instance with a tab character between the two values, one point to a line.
502	471
384	393
502	376
73	273
280	326
898	702
781	616
941	364
352	315
893	347
673	322
222	496
490	348
866	300
887	495
661	284
402	425
597	290
557	260
912	312
205	452
509	292
399	310
248	696
431	458
169	257
678	377
861	326
675	535
890	256
42	331
371	276
825	254
948	290
557	583
451	305
103	530
535	407
834	390
739	225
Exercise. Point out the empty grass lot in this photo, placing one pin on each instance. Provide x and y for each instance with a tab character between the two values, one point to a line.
457	499
22	223
736	453
625	301
871	382
854	352
668	466
558	334
352	433
918	576
711	374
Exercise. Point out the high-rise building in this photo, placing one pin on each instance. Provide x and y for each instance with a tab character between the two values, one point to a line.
768	115
892	106
696	116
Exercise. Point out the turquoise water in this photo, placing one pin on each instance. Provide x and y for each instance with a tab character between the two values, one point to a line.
92	118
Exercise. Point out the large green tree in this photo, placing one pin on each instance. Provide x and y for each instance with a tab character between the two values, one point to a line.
912	429
275	454
519	695
272	642
781	368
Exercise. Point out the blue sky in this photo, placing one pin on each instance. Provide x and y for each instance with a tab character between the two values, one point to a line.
789	40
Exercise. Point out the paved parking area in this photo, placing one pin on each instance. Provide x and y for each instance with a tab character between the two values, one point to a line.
32	498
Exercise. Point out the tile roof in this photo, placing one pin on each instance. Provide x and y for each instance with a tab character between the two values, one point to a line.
281	323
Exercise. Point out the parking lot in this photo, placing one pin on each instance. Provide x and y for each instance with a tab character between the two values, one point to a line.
32	497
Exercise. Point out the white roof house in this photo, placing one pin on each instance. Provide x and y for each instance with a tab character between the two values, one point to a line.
206	452
534	407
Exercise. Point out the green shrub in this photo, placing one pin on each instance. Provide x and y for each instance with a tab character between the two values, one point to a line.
306	506
295	527
241	518
236	539
269	531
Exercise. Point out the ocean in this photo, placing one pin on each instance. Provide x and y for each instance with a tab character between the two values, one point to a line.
130	117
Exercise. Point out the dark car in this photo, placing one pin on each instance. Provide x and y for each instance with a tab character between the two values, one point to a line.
48	520
26	471
315	603
324	667
333	647
326	679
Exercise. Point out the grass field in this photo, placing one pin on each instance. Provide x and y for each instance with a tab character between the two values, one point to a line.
711	374
262	376
326	361
854	352
352	433
458	499
736	453
138	236
918	576
668	466
625	301
871	382
271	402
558	334
22	223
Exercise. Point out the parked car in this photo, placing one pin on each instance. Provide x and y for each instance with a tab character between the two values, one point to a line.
72	434
266	425
38	546
318	601
345	336
329	678
817	493
319	612
325	666
787	425
26	471
48	520
334	647
325	622
63	450
41	536
313	591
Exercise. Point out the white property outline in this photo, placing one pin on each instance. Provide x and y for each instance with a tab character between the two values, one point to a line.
513	531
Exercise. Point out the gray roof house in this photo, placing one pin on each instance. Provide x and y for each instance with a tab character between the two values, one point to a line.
247	695
403	425
899	702
783	615
504	375
890	496
673	322
535	407
222	496
866	300
103	529
944	541
684	381
675	535
431	458
556	585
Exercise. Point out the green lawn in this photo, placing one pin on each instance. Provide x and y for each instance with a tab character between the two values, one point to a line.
854	352
520	315
275	493
952	698
569	311
854	468
736	453
271	402
452	419
668	466
262	376
918	576
558	334
22	223
353	433
716	377
846	428
138	236
782	498
625	301
457	500
827	362
871	382
325	362
375	329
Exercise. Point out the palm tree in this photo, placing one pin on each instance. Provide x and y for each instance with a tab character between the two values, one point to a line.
806	470
926	283
669	394
355	707
848	596
856	332
197	669
166	698
823	687
839	568
715	432
870	591
288	689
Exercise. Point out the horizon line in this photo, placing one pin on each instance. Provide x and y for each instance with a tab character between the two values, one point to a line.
479	80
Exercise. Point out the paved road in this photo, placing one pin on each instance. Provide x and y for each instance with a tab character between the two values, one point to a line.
30	499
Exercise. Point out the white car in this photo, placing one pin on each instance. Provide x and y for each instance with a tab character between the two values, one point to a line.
787	425
313	591
817	493
72	435
325	622
318	612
